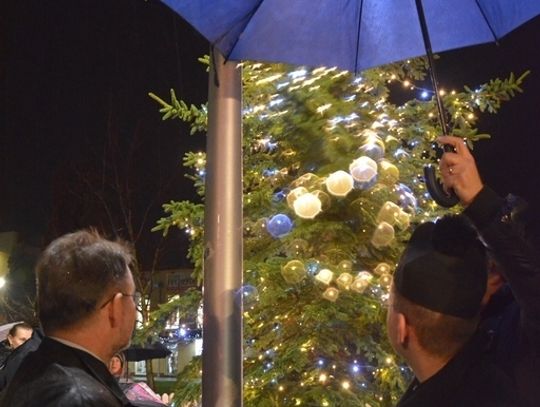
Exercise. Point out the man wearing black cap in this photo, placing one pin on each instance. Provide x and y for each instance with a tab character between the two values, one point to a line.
511	314
435	304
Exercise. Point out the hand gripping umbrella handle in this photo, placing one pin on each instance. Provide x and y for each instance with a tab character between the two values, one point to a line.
435	187
436	190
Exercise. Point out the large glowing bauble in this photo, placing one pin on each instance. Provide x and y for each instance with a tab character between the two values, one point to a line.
298	248
361	282
388	172
307	206
294	195
293	272
382	268
279	225
363	170
385	280
339	183
388	213
373	150
345	266
331	294
403	220
325	276
383	235
345	280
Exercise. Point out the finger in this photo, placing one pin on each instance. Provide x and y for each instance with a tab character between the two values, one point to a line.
450	159
447	180
456	142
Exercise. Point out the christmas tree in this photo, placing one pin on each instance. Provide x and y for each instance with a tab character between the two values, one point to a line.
332	184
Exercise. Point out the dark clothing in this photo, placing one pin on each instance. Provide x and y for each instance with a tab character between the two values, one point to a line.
56	375
14	360
512	317
467	380
5	351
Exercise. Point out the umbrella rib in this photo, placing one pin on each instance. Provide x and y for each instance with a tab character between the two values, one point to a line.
246	17
358	37
496	39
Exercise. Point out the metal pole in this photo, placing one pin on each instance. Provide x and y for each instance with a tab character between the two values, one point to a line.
222	326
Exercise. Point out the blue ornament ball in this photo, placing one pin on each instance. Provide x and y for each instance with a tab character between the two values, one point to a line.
279	225
313	267
365	185
279	196
406	197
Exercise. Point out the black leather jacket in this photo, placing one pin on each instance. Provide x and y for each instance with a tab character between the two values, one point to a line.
56	375
512	318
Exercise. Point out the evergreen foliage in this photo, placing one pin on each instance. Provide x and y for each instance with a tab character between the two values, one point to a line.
313	338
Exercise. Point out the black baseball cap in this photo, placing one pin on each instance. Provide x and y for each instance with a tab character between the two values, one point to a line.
444	268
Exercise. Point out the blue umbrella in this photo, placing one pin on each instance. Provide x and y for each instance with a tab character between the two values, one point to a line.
351	34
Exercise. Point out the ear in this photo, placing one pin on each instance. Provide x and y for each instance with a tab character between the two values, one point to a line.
402	330
115	311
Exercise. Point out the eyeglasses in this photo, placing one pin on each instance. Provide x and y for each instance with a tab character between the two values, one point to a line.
136	298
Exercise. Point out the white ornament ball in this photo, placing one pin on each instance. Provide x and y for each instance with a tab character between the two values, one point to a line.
339	183
325	276
363	169
307	206
294	195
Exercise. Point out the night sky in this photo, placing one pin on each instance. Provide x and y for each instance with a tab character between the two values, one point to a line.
72	70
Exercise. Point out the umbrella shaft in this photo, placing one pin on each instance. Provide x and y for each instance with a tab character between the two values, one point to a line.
431	62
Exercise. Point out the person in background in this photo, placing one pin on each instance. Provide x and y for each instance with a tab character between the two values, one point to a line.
86	304
22	339
511	230
434	309
139	394
117	365
19	334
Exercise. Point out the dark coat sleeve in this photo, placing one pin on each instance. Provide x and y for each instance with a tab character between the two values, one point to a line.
500	222
16	357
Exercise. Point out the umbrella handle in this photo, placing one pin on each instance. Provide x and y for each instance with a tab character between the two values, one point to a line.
435	189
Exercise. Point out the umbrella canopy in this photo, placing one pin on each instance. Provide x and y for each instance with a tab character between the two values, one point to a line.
138	353
351	34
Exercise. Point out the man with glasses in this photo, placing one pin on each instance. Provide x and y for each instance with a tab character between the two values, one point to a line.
86	304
